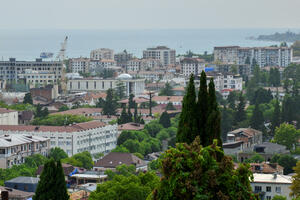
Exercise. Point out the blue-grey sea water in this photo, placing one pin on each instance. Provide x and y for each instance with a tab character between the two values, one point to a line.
28	44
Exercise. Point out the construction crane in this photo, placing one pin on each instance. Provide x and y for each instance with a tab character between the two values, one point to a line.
61	57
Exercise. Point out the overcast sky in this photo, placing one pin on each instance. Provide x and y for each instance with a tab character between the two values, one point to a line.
148	14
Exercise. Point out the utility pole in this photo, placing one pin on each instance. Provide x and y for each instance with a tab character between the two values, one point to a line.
151	94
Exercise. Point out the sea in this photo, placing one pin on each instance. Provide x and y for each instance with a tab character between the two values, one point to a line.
28	44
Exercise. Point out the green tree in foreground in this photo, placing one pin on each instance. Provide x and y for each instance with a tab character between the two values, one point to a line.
27	98
295	187
164	120
52	185
194	172
57	154
279	197
286	135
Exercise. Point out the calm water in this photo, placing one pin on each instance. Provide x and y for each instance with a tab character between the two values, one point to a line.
28	44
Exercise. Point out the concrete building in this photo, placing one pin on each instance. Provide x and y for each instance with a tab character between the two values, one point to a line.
143	64
45	94
162	53
97	66
264	56
8	117
79	65
93	136
14	147
103	53
192	66
38	71
134	86
270	185
23	183
122	58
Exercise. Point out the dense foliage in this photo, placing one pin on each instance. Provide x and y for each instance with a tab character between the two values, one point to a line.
60	120
83	159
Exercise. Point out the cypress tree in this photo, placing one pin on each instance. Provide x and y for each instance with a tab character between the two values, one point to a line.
276	117
202	108
129	115
257	119
124	116
110	103
131	103
135	115
165	120
61	188
240	114
213	123
46	189
187	128
28	98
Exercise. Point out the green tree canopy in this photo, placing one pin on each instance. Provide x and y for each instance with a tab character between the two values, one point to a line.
83	159
28	99
167	90
164	120
286	161
286	135
60	120
57	154
295	187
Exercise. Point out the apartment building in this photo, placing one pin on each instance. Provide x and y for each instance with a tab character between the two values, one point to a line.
192	66
142	64
97	66
148	75
8	117
263	56
14	148
92	136
103	53
79	64
162	53
122	58
38	71
270	185
132	86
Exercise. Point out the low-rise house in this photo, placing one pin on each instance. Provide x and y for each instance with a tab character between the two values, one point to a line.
44	94
114	159
25	117
14	148
179	91
270	185
266	168
131	126
87	112
249	137
233	148
88	177
91	98
93	136
14	194
23	183
175	100
277	92
8	117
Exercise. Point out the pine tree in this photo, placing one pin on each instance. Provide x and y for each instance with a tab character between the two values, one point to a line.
131	103
240	114
202	108
124	116
45	112
276	117
28	98
257	119
165	120
129	115
135	115
110	103
61	188
47	186
38	111
187	128
100	103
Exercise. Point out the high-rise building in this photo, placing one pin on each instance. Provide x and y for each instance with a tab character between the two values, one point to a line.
103	53
122	58
192	66
162	53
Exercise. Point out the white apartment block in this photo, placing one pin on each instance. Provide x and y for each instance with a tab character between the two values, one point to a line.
264	56
8	117
132	86
96	66
14	70
148	75
270	185
162	53
192	66
14	148
142	64
33	77
79	65
103	53
92	136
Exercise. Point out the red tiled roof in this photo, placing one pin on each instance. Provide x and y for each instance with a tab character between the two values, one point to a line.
136	99
71	128
131	126
79	111
168	98
6	110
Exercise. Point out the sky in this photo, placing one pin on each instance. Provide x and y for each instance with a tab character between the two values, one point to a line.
149	14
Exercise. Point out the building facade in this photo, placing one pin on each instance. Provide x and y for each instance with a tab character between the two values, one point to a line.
14	148
263	56
93	136
122	58
103	53
132	86
8	117
79	65
164	54
38	71
192	66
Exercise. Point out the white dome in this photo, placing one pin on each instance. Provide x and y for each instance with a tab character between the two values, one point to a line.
124	76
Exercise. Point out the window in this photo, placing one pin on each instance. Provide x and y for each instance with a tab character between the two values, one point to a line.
257	188
278	189
268	189
268	197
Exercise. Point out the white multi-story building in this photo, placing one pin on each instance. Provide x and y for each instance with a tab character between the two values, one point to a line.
143	64
122	58
192	66
8	117
96	66
33	77
14	148
264	56
79	64
93	136
15	70
132	86
103	53
162	53
270	185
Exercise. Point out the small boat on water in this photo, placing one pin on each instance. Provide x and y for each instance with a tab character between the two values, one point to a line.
46	55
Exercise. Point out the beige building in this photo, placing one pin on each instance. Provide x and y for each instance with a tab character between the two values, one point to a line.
162	53
103	53
79	64
14	148
8	117
192	66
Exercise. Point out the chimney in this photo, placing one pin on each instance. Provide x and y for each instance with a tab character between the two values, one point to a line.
275	175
